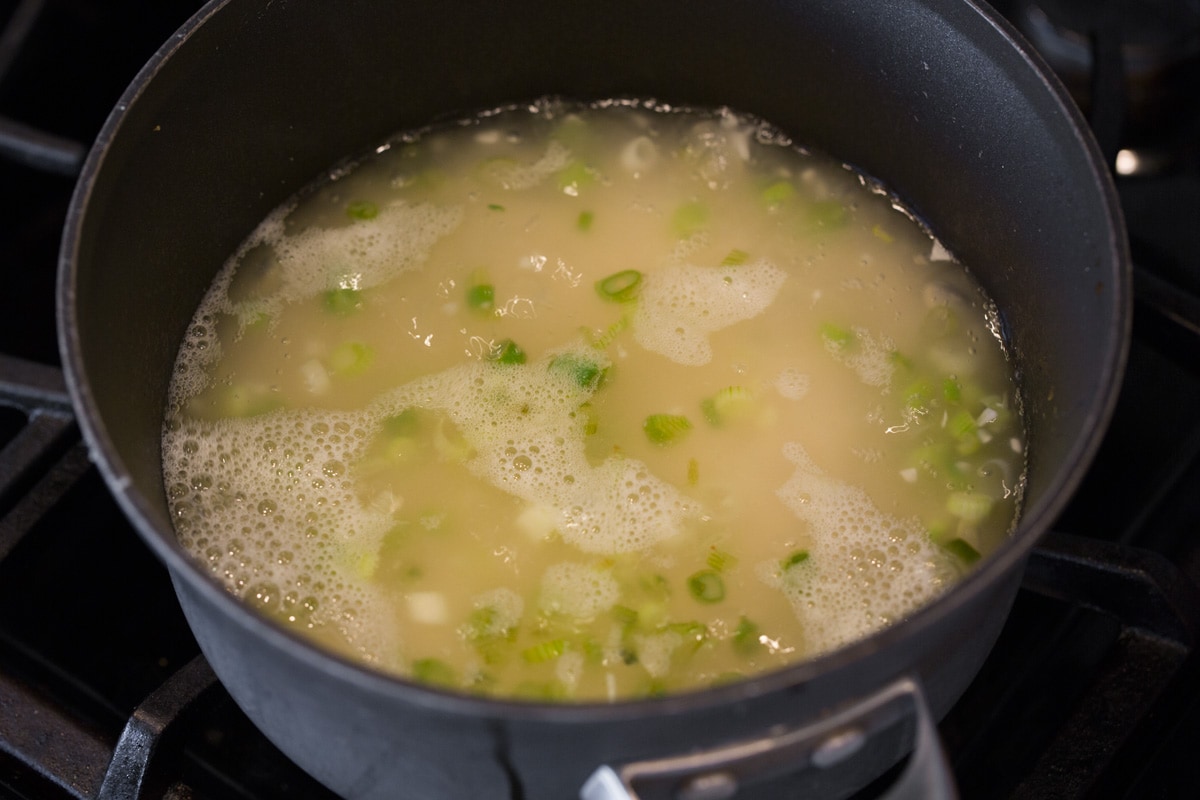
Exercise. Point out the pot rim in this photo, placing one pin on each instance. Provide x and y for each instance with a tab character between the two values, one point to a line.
983	578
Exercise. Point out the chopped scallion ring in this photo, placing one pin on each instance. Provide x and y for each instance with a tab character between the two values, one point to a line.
620	287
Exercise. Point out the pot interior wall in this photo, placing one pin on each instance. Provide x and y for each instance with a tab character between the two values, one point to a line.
264	96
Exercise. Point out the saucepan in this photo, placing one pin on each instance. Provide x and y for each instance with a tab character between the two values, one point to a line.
938	99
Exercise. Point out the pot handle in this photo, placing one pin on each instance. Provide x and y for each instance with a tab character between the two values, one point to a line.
718	773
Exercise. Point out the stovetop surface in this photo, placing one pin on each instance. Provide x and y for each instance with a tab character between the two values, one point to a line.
1093	689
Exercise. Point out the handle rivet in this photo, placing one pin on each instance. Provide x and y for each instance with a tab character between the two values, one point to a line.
838	748
713	786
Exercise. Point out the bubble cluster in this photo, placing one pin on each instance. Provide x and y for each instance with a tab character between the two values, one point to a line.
682	305
577	590
869	357
866	568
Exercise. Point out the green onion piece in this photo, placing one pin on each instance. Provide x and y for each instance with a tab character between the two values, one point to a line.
362	210
837	337
495	207
727	405
586	374
666	428
693	472
777	194
971	507
545	651
879	233
720	561
624	616
900	360
532	690
962	550
351	358
827	214
656	586
952	391
246	401
584	221
342	302
506	351
694	633
745	637
406	423
435	671
797	557
961	424
918	395
707	586
575	176
689	218
735	258
620	287
481	297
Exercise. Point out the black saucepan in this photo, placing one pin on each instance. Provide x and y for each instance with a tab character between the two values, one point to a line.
254	98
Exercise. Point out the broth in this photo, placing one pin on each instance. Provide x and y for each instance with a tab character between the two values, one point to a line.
591	402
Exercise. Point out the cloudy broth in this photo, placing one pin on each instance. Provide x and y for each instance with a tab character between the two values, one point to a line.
568	402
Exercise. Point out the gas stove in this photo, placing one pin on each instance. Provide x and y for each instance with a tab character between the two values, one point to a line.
1093	689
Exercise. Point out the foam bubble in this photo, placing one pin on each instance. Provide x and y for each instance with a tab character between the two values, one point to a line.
682	305
869	357
577	590
865	568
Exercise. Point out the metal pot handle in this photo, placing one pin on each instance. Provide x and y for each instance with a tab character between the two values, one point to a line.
717	774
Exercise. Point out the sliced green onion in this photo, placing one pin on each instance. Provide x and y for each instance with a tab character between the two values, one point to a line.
827	214
575	176
342	301
362	210
481	295
689	218
495	207
879	233
735	258
435	671
586	374
351	358
532	690
777	194
962	550
797	557
584	220
837	337
695	633
620	287
745	637
961	424
545	651
900	360
707	586
971	507
406	423
666	428
624	616
506	351
727	405
952	391
246	401
693	472
720	561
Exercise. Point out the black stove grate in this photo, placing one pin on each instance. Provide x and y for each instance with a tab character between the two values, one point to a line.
1093	689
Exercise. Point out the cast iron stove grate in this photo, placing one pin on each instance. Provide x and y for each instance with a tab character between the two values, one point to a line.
1093	689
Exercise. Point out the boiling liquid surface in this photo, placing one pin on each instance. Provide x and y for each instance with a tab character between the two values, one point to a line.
591	403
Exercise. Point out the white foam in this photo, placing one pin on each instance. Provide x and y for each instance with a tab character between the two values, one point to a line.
577	590
682	305
865	568
869	356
